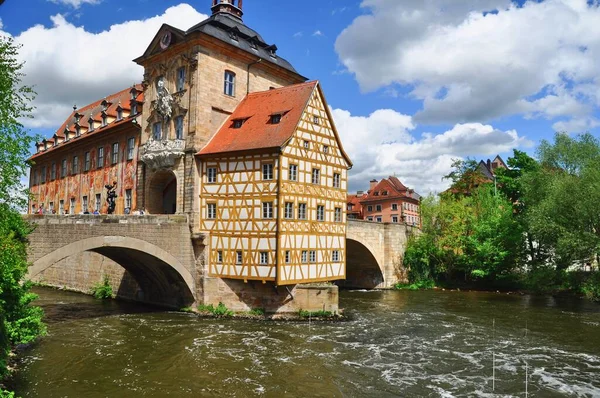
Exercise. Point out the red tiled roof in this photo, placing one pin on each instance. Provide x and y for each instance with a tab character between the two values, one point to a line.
394	188
94	109
257	132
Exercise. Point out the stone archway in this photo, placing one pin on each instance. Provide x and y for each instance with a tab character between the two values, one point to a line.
161	195
362	268
161	277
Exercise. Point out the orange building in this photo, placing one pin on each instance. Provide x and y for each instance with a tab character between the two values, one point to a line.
229	134
386	201
96	146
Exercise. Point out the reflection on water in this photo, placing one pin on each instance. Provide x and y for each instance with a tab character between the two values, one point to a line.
428	343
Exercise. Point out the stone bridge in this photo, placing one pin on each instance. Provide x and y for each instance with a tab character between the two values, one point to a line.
156	259
156	251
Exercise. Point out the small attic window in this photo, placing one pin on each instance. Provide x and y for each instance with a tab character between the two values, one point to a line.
237	123
316	120
77	131
133	93
384	193
275	119
104	120
104	105
233	35
376	193
91	123
325	149
119	112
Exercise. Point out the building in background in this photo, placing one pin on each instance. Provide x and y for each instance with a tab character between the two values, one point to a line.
387	201
96	146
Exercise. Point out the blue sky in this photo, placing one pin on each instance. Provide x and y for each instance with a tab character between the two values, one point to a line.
412	84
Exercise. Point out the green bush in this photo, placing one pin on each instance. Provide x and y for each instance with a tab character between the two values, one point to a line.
103	290
257	311
591	287
6	394
219	310
421	284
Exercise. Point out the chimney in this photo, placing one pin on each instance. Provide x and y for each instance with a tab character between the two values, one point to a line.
372	184
227	7
360	193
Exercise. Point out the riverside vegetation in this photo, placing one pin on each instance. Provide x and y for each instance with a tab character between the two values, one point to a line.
20	322
535	228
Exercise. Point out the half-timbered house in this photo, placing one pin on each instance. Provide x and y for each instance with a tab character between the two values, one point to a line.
273	190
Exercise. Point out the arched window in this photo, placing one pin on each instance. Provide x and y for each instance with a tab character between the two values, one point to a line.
229	83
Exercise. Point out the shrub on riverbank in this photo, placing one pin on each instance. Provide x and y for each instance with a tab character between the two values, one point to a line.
220	310
421	284
103	290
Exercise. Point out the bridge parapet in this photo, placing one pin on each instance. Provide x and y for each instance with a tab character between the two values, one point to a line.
106	219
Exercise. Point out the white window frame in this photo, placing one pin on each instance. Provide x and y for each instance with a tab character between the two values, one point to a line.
338	214
320	213
313	256
316	176
304	256
336	180
267	171
335	256
293	172
211	175
114	155
84	203
394	206
229	83
302	211
72	206
267	210
98	203
100	158
211	211
264	258
289	210
130	147
128	198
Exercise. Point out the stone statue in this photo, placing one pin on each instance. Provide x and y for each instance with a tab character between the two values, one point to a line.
164	100
111	195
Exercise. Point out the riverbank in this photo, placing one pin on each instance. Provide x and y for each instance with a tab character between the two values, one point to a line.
576	284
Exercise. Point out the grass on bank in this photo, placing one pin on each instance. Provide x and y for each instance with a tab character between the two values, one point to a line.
103	290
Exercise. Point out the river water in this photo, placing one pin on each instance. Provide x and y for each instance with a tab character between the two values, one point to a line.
397	343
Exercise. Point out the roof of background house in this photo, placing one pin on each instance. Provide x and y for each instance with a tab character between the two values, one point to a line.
121	98
393	189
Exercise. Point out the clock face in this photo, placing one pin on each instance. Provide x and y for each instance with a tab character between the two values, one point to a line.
165	40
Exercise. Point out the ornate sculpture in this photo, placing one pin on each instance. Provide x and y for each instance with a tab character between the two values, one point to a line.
164	101
111	195
161	154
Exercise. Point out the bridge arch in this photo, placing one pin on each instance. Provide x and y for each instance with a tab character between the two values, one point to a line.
162	278
363	268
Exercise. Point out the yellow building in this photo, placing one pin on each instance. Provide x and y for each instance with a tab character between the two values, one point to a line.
274	190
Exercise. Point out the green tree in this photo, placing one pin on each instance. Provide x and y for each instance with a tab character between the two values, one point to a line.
20	322
563	195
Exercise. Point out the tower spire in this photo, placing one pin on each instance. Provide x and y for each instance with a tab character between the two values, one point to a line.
231	7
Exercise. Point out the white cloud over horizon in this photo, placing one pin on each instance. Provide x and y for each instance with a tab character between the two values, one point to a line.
382	144
68	65
479	60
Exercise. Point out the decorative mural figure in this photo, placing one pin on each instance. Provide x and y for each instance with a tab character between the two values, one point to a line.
111	195
164	100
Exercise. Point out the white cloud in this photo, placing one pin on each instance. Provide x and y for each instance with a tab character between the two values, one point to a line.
477	60
297	35
75	3
317	33
68	65
1	25
382	144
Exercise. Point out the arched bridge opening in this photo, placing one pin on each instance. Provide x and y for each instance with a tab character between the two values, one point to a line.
161	277
362	268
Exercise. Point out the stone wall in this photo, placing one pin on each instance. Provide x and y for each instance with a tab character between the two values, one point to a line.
238	295
80	272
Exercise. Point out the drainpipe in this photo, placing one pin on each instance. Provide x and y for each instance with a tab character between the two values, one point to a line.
248	74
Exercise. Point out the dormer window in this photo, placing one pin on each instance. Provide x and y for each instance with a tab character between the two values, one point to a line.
233	35
78	117
252	42
238	123
119	112
384	193
91	123
77	131
133	93
104	120
54	142
133	109
104	105
67	134
275	119
272	50
376	193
